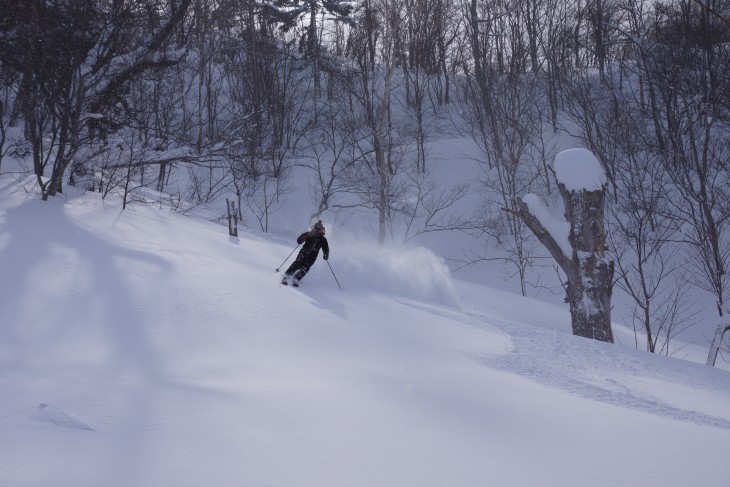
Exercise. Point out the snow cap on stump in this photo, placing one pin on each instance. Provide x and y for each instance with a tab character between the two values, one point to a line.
579	170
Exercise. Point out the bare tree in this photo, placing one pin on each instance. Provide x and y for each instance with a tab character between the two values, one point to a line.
643	240
8	92
685	77
513	172
75	59
426	37
3	132
506	121
269	115
334	154
373	45
432	207
288	14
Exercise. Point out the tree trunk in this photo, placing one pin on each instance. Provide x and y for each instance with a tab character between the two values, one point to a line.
722	327
591	284
589	274
232	218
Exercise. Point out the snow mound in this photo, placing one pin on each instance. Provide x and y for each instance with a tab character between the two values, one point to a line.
578	169
410	272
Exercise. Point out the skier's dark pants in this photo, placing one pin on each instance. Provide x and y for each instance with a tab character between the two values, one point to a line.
301	264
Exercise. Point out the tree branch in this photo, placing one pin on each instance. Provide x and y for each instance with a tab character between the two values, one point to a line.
542	234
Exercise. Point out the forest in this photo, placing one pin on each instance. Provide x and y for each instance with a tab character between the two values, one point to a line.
233	97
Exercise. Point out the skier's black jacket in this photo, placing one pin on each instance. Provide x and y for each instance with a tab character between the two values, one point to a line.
312	243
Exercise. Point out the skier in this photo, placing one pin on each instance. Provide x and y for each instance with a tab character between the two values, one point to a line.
313	241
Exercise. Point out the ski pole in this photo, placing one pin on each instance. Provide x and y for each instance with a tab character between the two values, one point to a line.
333	274
282	264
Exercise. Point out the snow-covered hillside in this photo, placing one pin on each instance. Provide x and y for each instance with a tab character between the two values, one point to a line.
144	348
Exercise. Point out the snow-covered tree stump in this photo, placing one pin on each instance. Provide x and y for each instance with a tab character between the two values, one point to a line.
578	243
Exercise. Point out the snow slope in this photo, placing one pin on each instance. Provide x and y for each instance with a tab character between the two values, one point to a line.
143	348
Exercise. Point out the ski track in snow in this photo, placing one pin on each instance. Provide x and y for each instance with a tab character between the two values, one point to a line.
555	364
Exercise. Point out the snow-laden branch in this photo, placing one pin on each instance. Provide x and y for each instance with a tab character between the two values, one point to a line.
557	228
542	232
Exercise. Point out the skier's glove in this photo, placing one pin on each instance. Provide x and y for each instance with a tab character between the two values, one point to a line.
326	256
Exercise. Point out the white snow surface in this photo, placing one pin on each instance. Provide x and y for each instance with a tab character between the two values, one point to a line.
144	348
578	169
